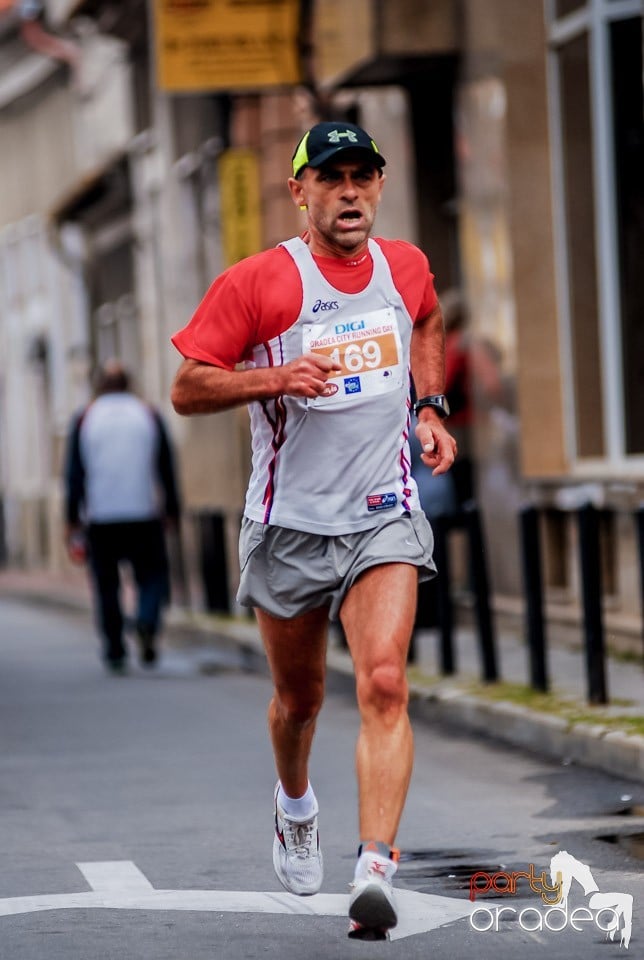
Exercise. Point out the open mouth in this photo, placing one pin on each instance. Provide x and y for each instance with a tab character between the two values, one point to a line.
350	216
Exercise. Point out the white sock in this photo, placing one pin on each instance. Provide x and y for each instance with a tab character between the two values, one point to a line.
300	808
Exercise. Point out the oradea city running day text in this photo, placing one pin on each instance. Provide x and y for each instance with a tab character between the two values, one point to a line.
609	912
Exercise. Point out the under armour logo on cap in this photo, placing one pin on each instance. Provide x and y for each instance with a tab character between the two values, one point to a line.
335	136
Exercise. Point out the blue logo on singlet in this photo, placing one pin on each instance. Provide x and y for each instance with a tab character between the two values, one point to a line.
352	385
325	305
348	327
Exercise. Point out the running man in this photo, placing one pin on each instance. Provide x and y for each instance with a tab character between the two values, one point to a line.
329	326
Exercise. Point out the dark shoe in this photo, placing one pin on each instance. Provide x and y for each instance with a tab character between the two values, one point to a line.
147	646
117	666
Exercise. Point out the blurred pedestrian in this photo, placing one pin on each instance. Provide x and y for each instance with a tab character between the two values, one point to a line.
473	384
120	492
329	325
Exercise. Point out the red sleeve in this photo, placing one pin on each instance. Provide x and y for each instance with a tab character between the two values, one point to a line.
412	276
250	303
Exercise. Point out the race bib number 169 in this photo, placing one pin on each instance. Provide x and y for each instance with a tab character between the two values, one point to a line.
367	347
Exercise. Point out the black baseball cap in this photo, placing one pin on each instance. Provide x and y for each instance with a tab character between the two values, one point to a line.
326	140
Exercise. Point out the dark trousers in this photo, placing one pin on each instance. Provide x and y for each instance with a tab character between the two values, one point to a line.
142	545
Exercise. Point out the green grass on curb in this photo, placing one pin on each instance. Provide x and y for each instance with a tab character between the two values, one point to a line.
572	711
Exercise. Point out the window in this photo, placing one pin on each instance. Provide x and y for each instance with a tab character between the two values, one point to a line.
598	127
628	110
564	7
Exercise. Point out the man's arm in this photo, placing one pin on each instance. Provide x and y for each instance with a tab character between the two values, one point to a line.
201	388
74	479
167	471
428	372
74	476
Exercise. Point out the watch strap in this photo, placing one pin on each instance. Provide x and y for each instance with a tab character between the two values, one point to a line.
438	401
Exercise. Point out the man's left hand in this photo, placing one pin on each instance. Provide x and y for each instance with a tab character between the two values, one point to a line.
437	445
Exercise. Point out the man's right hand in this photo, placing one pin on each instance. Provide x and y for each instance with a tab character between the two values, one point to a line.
203	388
307	375
76	544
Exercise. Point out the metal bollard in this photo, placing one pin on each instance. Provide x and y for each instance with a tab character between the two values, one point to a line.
481	587
441	526
589	556
532	585
213	561
639	520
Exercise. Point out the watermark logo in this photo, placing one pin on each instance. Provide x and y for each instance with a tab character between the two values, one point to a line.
610	912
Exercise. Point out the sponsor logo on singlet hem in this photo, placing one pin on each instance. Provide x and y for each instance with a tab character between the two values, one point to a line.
381	501
352	385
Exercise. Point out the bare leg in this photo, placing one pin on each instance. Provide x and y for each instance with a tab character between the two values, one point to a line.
378	616
296	651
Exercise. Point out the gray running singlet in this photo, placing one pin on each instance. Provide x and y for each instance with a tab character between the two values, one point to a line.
338	463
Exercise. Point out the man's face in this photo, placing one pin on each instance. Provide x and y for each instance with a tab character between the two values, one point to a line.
341	198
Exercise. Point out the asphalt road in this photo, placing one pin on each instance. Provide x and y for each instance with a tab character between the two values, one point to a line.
162	781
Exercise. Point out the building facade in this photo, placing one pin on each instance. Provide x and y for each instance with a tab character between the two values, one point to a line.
514	138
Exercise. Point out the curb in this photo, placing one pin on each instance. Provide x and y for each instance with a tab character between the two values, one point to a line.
599	747
612	751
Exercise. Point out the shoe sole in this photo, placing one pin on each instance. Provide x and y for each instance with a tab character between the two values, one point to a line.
367	934
372	909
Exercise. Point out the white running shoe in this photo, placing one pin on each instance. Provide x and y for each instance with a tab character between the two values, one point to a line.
297	857
372	912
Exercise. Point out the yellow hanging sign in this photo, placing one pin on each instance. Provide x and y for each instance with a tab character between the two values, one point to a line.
226	45
240	204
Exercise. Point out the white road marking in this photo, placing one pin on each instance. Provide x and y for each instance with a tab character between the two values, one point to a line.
120	885
115	876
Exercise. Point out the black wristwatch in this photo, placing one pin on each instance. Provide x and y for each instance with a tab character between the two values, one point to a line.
438	401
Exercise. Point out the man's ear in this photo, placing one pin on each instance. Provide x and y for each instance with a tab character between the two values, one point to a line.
297	193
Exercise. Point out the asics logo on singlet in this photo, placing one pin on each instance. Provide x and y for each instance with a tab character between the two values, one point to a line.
325	305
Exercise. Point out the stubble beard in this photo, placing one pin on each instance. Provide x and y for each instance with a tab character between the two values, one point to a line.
346	241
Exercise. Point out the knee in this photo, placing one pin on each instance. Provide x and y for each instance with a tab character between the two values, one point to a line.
299	708
383	688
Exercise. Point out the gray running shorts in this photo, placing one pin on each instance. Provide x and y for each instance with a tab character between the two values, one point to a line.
289	572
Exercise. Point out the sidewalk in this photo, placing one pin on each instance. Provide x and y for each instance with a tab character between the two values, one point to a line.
560	725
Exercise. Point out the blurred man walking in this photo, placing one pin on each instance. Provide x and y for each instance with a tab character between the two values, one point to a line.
120	490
